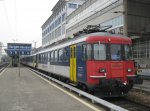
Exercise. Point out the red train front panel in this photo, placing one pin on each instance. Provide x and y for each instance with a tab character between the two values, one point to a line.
110	61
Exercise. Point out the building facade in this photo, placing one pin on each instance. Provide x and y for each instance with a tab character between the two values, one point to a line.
94	12
54	29
127	17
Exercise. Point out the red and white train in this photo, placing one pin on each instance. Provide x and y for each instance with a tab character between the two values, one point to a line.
97	61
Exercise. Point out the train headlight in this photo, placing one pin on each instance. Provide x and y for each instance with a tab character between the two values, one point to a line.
102	70
129	70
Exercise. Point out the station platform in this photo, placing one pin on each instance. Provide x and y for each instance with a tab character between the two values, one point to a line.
22	90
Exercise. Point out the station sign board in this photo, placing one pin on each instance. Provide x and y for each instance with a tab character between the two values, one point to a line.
18	49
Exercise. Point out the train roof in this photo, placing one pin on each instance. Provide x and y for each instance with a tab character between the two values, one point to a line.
81	39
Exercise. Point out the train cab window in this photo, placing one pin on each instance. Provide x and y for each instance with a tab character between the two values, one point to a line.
99	51
89	51
128	52
115	50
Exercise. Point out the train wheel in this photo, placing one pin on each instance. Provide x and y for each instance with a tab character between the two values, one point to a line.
79	85
92	91
84	88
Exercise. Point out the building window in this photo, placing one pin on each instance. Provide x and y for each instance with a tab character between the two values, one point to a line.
59	31
141	48
115	22
71	5
63	29
53	34
63	17
59	20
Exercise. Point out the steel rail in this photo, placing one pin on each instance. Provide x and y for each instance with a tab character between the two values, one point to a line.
3	66
94	99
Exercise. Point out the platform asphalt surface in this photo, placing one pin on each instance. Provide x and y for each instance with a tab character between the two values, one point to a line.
28	92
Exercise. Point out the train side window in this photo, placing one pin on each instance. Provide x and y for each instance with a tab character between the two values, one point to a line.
84	52
39	57
49	56
42	57
56	55
60	55
89	51
52	56
65	55
46	56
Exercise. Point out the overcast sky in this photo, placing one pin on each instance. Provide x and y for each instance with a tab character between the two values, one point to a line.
21	20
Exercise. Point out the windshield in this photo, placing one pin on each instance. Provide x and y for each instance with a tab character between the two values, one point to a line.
115	50
128	52
99	51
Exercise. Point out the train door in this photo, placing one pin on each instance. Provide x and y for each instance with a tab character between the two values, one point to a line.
73	76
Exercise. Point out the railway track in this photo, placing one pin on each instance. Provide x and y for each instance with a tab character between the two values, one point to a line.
120	104
3	66
128	104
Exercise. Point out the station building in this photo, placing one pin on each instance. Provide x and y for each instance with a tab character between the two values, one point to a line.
127	17
54	29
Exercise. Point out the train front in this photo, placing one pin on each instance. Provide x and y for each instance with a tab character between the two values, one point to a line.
110	67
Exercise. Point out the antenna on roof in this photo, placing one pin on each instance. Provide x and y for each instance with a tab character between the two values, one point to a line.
92	28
